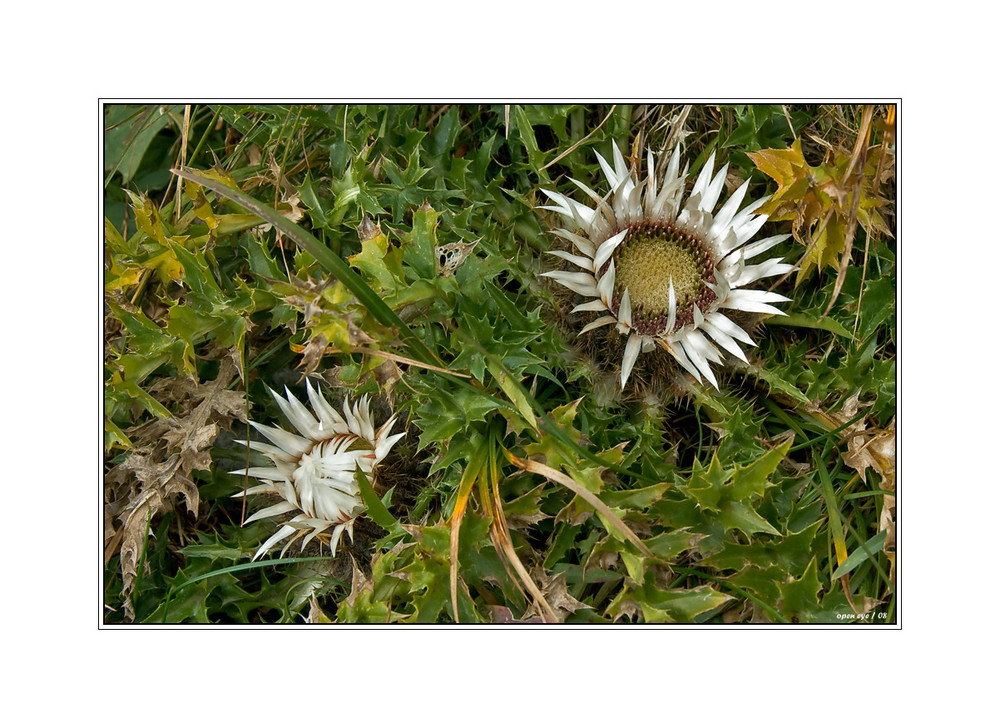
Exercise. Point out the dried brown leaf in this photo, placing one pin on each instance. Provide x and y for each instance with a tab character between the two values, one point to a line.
503	615
868	449
312	354
359	583
388	375
316	615
164	478
158	471
553	588
629	608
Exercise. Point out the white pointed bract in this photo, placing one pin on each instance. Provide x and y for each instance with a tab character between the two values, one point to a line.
314	471
663	269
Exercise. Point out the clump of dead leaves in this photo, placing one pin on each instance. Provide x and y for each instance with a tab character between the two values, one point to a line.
159	469
868	448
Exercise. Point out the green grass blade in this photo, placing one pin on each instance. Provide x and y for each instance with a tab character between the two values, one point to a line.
865	551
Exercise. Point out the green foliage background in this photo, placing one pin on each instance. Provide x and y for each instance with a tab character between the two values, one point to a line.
741	505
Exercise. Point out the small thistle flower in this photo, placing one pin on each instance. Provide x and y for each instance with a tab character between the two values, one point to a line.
314	472
662	271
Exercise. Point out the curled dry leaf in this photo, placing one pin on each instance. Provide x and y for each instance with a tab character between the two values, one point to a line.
312	353
866	448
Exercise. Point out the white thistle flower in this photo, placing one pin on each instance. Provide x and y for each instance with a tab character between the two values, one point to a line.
661	269
314	471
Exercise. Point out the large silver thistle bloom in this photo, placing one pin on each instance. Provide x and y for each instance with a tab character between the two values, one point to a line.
314	471
662	269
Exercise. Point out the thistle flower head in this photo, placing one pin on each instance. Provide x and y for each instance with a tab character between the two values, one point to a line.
662	269
314	470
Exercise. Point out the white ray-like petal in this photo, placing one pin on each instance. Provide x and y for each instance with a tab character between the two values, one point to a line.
701	184
666	202
254	490
767	269
606	285
335	537
351	417
386	427
723	339
265	473
622	194
313	534
751	228
595	305
671	307
607	249
732	267
635	203
383	447
282	533
673	166
762	246
698	316
723	323
328	416
625	310
562	204
725	215
744	216
582	283
299	533
579	213
714	190
272	451
704	346
632	347
601	203
578	260
275	510
677	352
753	301
698	359
651	183
297	414
721	286
621	169
613	179
364	415
582	244
292	444
602	321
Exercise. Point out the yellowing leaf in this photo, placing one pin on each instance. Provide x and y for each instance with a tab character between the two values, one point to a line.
784	166
334	330
828	248
378	262
202	208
